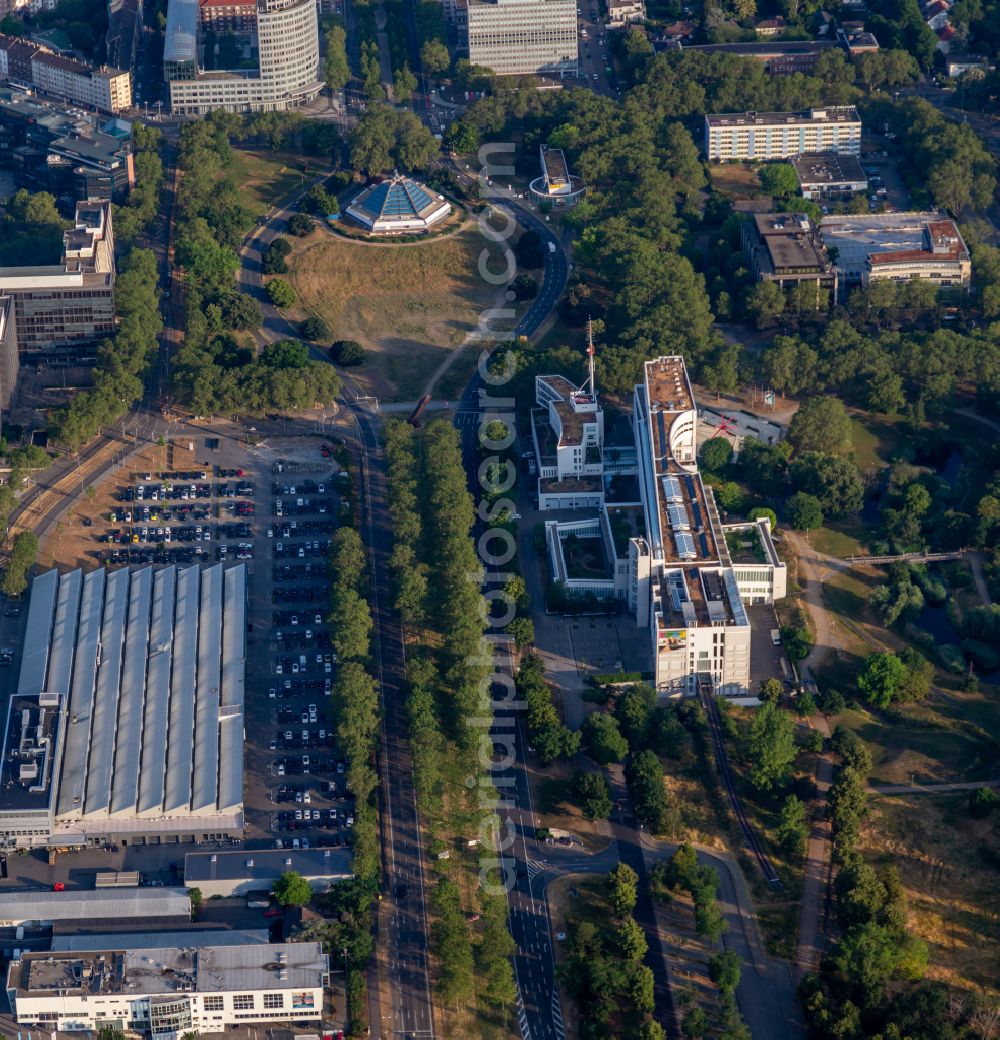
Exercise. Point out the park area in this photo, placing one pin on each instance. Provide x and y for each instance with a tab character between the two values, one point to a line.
408	305
947	862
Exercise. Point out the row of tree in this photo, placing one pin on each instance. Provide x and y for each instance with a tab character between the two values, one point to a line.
683	873
122	361
550	738
435	588
603	968
143	203
356	714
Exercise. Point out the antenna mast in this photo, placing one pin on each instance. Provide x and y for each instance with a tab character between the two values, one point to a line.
591	385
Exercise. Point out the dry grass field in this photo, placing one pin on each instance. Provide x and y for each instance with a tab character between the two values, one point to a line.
948	863
408	305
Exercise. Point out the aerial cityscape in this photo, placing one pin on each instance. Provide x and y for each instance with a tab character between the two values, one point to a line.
500	514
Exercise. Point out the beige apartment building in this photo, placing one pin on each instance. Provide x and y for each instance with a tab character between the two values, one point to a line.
762	136
523	37
33	65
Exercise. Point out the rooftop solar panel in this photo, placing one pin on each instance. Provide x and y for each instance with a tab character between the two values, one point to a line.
685	545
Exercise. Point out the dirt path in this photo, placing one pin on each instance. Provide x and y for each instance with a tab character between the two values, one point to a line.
972	785
976	566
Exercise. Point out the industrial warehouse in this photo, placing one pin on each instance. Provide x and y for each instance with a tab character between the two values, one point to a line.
127	722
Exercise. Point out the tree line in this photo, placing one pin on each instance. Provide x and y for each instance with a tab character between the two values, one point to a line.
143	204
603	969
356	713
434	571
122	360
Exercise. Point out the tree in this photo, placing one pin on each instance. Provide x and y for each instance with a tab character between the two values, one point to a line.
650	1030
716	454
641	988
300	225
196	899
292	889
631	940
779	179
434	57
882	678
765	303
834	481
823	425
724	970
771	689
623	889
770	747
241	312
982	802
792	829
524	287
805	511
602	738
280	293
644	776
347	352
404	83
522	631
23	553
313	328
593	793
336	69
695	1023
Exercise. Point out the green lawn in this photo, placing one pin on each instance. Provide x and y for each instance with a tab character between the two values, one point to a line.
266	178
925	746
874	442
839	539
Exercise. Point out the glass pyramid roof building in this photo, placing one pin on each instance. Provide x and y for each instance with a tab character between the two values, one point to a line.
398	204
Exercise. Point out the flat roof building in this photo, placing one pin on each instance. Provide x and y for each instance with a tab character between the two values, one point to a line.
761	136
169	991
240	873
829	175
665	549
281	35
127	722
132	904
34	65
10	364
787	249
523	37
897	247
71	303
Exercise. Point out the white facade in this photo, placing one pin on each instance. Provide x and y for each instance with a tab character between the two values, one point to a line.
524	37
167	992
107	89
780	135
288	64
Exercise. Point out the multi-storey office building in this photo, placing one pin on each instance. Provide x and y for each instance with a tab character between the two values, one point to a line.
787	249
666	552
71	303
284	36
779	135
166	992
523	37
62	150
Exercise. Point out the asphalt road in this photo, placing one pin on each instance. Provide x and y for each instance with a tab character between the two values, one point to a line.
402	936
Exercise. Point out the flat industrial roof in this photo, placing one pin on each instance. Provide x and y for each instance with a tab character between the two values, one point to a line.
204	969
846	114
139	904
791	242
150	668
266	865
828	168
890	237
87	941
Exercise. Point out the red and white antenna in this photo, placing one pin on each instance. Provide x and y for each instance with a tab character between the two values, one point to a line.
591	385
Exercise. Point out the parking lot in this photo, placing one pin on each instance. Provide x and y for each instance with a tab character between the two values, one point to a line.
273	506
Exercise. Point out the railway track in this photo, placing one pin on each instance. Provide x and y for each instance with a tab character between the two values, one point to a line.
750	837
